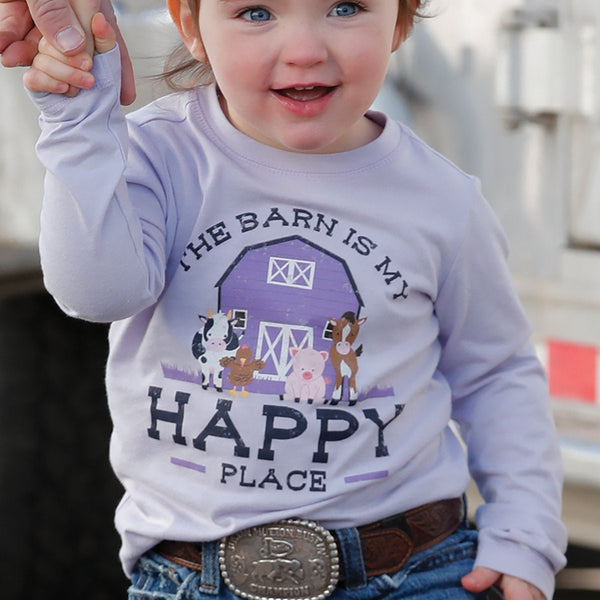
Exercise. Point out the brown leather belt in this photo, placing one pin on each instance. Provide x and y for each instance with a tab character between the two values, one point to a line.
386	544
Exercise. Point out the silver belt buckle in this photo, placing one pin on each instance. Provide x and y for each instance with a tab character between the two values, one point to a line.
286	560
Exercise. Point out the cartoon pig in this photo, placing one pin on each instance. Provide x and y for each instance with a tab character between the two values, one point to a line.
306	381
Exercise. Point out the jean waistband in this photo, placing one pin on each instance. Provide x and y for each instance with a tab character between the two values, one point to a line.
366	551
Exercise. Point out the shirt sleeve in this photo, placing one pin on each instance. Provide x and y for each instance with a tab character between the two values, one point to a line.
103	259
501	405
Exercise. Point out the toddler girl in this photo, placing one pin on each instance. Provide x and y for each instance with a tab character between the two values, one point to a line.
303	295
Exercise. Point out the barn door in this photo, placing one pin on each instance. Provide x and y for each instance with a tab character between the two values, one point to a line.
273	346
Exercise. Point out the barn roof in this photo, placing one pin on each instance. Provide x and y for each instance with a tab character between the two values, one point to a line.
284	240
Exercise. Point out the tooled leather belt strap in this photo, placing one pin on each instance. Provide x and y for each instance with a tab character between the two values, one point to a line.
389	543
386	544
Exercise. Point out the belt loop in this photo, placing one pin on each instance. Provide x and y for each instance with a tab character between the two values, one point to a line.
210	574
355	575
465	511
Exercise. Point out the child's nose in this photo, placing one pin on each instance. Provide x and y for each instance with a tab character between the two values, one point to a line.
303	46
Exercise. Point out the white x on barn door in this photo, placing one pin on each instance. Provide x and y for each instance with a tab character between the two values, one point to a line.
273	346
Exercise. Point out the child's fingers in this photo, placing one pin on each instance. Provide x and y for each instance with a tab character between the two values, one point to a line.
82	61
72	92
38	81
57	70
104	35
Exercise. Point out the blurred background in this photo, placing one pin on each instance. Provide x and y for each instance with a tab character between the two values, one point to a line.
509	90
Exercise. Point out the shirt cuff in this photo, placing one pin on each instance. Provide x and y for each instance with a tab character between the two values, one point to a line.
517	560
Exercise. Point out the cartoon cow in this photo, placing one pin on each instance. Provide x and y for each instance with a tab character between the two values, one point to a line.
306	381
215	341
343	357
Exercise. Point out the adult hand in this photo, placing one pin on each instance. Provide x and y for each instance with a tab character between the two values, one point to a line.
23	22
52	71
513	588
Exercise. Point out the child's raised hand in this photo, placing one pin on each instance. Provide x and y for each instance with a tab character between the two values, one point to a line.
52	71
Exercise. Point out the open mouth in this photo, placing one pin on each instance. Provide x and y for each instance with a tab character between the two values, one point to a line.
305	94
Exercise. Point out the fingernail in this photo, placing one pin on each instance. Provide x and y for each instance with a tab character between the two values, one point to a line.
89	80
68	39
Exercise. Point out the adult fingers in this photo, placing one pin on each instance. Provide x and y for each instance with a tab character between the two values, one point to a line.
58	23
15	22
22	52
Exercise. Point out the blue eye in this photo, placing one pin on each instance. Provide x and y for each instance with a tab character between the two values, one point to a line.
256	14
345	9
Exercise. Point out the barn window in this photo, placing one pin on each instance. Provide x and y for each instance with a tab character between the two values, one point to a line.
291	272
328	330
242	318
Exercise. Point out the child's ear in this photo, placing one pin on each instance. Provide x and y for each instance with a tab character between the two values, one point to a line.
188	28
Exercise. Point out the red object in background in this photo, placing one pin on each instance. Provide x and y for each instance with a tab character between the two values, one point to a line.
572	371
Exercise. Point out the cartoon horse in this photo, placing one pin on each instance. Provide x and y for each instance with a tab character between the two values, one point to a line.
343	357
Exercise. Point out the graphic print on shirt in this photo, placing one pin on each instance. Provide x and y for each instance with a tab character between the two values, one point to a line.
343	356
241	369
214	342
306	382
285	323
294	307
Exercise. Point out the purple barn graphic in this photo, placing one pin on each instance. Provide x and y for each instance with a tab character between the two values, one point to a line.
282	294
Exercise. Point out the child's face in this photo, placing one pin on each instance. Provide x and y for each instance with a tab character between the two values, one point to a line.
296	74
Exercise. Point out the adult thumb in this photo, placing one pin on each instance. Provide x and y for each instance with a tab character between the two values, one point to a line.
58	23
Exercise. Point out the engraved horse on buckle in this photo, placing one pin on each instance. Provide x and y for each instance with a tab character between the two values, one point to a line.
285	560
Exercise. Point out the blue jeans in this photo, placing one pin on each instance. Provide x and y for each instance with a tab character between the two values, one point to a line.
432	574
